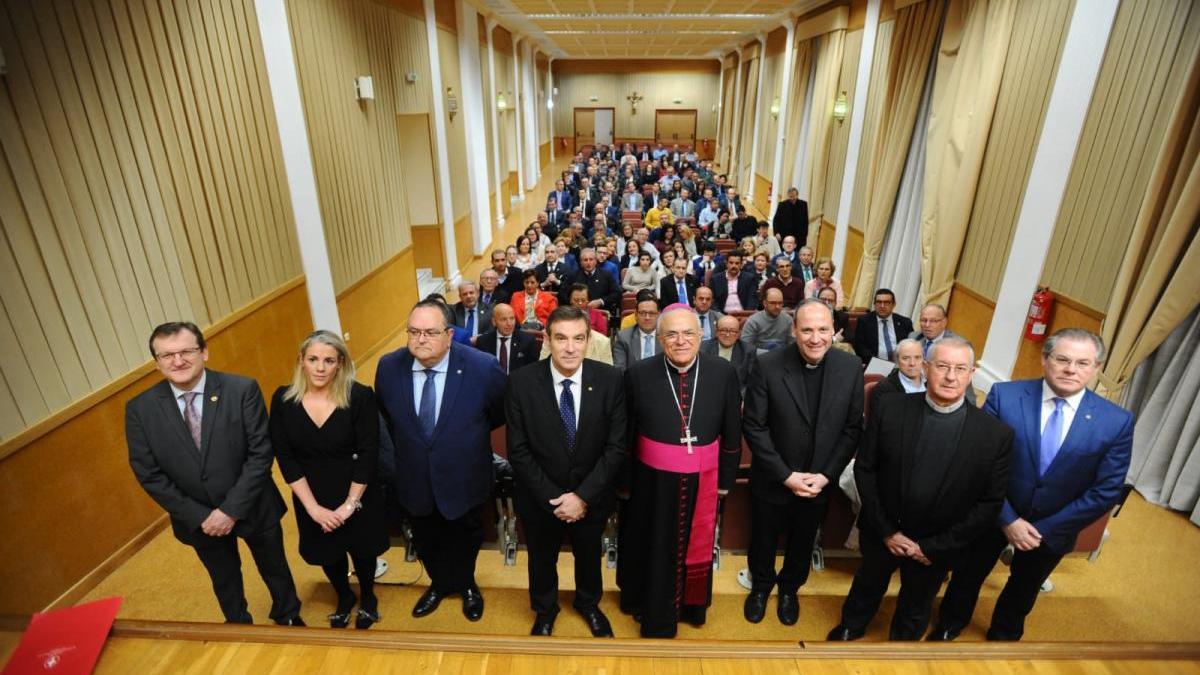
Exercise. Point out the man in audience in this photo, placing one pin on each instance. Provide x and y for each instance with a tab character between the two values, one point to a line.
723	227
704	311
933	327
640	340
511	347
488	281
728	345
908	377
788	253
566	492
605	262
764	241
789	286
732	200
443	453
806	269
688	447
659	215
554	217
744	289
551	272
603	293
791	218
683	206
1070	459
744	225
771	327
508	281
198	445
632	199
561	197
642	235
709	215
469	314
679	287
931	474
802	420
879	331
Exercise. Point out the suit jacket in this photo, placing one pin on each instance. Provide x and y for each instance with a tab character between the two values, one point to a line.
564	198
561	271
742	358
668	290
780	431
866	334
1086	477
524	349
483	317
892	385
543	304
747	290
969	486
792	220
537	439
627	347
921	340
600	286
232	469
510	286
450	471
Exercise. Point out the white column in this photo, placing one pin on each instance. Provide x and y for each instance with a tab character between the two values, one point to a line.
297	163
758	113
491	106
785	92
1074	84
862	82
735	125
529	112
720	105
445	197
550	108
472	112
518	111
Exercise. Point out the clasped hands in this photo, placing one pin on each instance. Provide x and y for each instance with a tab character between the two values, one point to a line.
1022	535
217	524
568	507
902	547
806	485
331	519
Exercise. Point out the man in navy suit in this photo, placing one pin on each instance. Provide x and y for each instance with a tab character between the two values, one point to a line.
512	348
1069	462
435	394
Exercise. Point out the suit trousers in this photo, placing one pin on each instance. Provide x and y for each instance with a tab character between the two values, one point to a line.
224	564
799	521
1029	571
448	548
919	585
544	534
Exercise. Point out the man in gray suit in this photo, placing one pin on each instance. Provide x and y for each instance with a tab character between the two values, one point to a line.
933	327
728	345
640	340
199	446
469	314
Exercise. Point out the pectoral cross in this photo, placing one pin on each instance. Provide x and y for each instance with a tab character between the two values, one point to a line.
688	438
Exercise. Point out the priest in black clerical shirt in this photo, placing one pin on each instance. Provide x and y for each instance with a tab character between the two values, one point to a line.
932	474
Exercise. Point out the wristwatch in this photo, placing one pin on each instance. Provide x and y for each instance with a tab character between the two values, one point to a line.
354	504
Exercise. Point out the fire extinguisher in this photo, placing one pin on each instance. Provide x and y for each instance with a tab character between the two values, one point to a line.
1038	319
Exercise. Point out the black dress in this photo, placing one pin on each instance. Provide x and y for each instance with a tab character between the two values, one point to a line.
343	450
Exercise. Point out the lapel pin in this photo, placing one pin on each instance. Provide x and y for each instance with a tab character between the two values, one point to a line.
1087	416
589	388
214	398
458	372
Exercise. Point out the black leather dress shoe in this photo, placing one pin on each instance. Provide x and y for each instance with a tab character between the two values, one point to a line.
941	635
841	633
472	604
543	626
365	619
788	609
294	621
597	622
428	602
755	607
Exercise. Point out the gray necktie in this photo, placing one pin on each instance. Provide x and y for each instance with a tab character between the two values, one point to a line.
190	417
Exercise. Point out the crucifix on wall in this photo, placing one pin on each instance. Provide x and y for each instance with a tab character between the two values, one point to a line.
633	101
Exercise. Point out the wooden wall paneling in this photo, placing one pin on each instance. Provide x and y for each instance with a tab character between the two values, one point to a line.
969	313
428	249
854	251
825	233
762	193
1039	30
697	91
375	307
1068	313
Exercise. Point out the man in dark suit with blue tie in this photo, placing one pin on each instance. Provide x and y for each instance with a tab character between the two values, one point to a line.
1069	462
435	394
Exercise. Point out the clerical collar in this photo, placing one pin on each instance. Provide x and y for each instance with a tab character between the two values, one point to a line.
812	366
943	409
684	369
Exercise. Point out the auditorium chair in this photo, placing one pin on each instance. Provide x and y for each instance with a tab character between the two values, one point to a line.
628	300
724	245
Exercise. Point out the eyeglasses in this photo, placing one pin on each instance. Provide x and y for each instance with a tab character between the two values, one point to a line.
647	315
727	331
945	368
677	335
185	354
1062	362
428	334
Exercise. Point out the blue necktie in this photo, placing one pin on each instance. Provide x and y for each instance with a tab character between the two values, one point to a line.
647	346
566	408
428	412
704	326
1051	436
683	294
471	322
887	338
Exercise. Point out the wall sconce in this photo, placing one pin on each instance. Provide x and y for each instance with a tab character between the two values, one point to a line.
775	108
840	107
364	88
501	102
549	104
451	103
677	100
593	98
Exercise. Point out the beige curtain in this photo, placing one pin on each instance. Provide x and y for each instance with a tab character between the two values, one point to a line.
741	178
1159	282
791	132
820	126
970	66
913	40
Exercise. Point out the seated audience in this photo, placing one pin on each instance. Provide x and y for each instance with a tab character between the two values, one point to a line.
824	279
728	345
512	348
880	330
533	306
771	327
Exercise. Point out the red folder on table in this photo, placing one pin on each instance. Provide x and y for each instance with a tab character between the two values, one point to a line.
65	641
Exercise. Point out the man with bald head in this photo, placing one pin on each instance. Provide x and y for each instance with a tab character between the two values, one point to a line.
685	428
802	420
511	347
727	345
932	327
769	328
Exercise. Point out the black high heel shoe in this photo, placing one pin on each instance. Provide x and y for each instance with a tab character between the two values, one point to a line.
365	619
341	618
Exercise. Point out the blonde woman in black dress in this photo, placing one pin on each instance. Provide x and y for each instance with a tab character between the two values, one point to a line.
325	431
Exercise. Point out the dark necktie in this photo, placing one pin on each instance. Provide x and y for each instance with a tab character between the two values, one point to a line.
887	339
704	326
471	321
566	408
504	354
1051	436
190	417
428	412
683	293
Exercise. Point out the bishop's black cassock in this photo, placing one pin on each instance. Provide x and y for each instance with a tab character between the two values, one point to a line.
666	539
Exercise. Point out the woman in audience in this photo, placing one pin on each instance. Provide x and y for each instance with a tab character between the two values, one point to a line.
325	433
632	252
824	279
510	254
625	237
537	242
680	249
664	263
642	276
667	241
762	269
532	307
748	249
841	320
688	236
526	260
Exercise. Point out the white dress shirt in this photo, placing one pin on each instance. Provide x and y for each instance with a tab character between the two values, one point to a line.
1068	410
439	384
576	387
197	402
886	325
